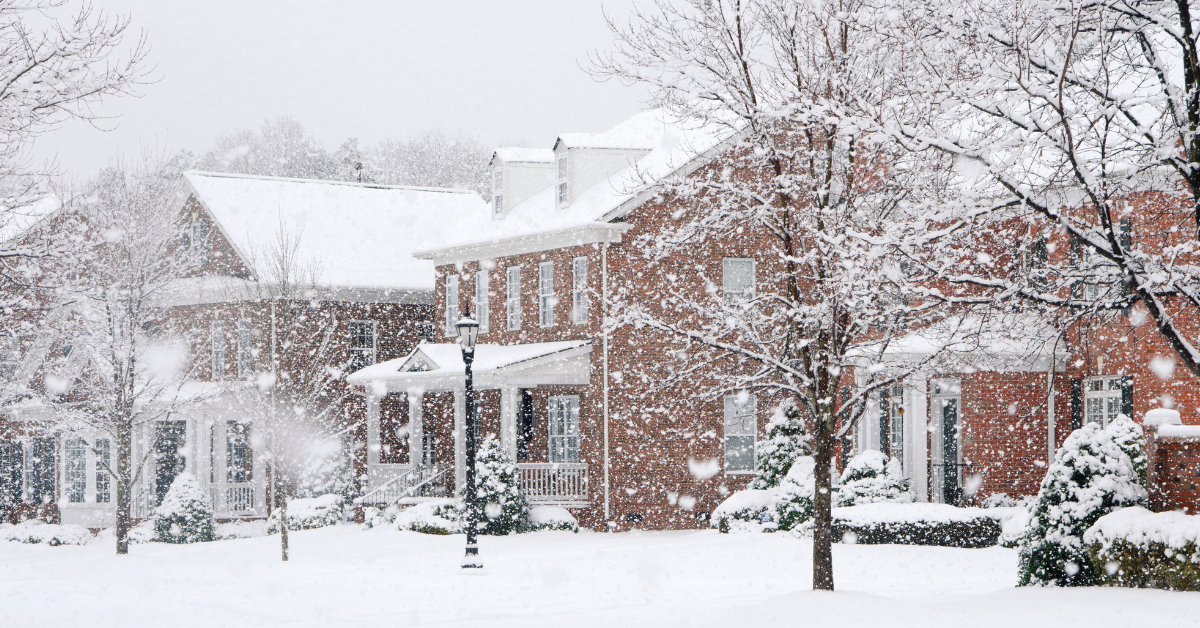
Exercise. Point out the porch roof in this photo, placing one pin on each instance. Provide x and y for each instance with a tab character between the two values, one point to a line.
440	367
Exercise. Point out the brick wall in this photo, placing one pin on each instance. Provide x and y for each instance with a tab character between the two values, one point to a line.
1174	472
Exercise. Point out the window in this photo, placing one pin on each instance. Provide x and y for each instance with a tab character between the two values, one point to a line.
546	300
892	426
481	299
362	344
10	472
1102	397
512	300
10	355
75	470
498	191
428	449
425	332
944	411
195	240
38	459
1102	279
741	429
562	179
245	337
212	453
239	461
579	301
451	305
218	350
737	279
564	429
103	460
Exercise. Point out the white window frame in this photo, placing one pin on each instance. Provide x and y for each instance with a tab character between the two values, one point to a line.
579	296
451	305
895	419
546	298
245	340
562	187
482	309
498	191
74	470
741	433
562	412
103	481
217	340
512	301
1102	399
732	292
370	352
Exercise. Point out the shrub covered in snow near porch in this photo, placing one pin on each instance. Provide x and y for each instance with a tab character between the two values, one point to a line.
1134	547
871	477
310	513
786	441
1090	477
185	514
787	506
552	518
502	507
38	531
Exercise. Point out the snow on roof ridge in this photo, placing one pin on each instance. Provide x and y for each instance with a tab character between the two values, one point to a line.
524	154
358	184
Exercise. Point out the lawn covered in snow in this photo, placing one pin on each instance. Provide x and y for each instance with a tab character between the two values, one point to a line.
344	576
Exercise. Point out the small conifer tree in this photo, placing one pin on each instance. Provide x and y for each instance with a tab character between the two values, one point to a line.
872	477
502	507
786	441
794	504
1091	476
1128	436
185	515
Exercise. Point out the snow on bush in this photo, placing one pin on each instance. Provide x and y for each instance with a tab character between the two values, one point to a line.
871	477
553	518
918	524
140	533
310	513
788	506
38	531
1128	436
501	506
1090	477
1133	547
431	516
785	442
185	515
1002	500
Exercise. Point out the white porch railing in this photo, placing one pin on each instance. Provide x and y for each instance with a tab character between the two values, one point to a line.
554	482
239	499
421	480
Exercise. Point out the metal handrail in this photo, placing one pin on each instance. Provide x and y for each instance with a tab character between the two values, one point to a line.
403	485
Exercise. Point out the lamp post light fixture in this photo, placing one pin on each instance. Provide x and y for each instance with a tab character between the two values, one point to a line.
468	331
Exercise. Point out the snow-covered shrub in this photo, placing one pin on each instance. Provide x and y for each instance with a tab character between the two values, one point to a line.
1089	478
310	513
788	506
333	473
785	442
1133	547
140	533
871	477
1012	529
743	511
795	494
917	524
553	518
1128	436
1002	500
434	516
38	531
185	514
501	506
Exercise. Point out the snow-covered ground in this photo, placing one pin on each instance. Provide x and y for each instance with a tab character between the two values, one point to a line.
344	576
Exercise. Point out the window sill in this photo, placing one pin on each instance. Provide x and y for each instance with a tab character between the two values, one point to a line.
741	472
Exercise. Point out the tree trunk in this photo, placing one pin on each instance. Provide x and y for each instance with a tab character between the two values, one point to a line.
124	484
823	505
281	493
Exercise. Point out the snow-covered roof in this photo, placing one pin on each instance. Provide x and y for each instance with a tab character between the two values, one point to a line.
672	145
362	235
524	155
432	365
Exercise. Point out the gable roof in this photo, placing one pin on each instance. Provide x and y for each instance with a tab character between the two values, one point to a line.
524	155
440	366
362	235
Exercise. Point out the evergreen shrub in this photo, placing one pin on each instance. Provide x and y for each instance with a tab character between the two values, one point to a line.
185	514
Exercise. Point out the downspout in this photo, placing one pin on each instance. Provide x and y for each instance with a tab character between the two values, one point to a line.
604	296
1050	418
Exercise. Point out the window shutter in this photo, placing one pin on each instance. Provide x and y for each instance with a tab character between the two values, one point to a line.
1037	269
844	413
1076	404
1076	253
1127	396
884	441
1125	238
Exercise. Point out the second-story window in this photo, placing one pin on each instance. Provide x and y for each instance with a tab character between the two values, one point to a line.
451	305
546	298
481	299
579	300
562	179
737	279
512	300
498	191
195	240
10	355
362	344
245	337
218	350
1102	398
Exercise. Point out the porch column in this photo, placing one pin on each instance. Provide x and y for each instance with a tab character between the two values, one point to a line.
870	427
508	420
460	440
416	429
918	431
373	443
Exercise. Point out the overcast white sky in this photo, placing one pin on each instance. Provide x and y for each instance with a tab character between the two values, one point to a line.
504	71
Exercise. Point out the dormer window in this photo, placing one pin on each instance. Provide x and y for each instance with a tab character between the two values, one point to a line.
498	192
562	179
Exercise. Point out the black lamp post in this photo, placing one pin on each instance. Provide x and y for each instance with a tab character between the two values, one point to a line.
468	331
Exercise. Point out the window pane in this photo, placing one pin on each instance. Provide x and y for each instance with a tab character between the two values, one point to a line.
103	453
739	453
75	473
513	298
737	279
451	305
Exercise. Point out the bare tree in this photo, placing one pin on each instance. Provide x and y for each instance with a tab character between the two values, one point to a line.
810	183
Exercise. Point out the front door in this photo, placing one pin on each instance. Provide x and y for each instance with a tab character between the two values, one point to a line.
952	486
169	456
